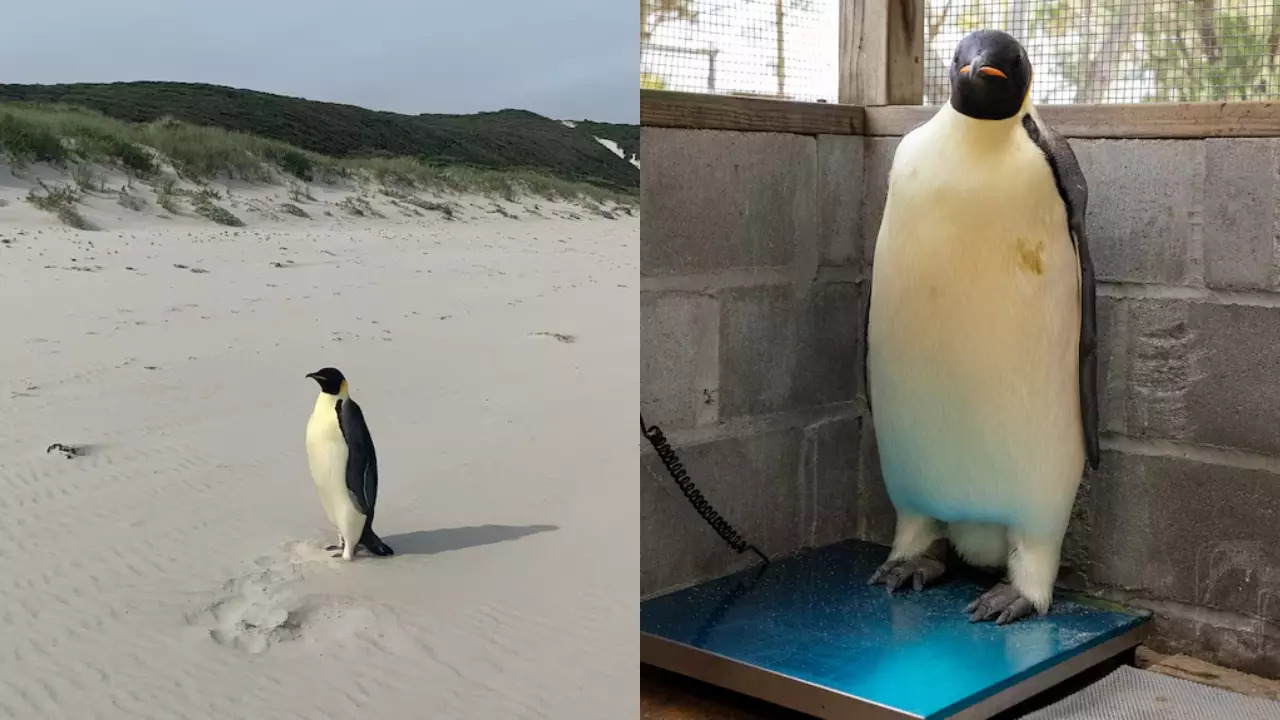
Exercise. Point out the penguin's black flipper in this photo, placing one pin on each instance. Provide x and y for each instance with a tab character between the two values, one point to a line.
362	461
1074	192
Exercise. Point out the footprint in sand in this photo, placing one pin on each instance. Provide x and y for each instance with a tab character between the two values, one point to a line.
260	610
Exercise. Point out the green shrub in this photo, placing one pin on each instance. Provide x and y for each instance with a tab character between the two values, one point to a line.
220	215
28	141
294	210
134	158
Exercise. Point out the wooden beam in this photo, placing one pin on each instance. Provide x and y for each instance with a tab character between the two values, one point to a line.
662	108
881	52
1141	120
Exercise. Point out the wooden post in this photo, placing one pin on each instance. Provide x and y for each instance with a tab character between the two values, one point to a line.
882	52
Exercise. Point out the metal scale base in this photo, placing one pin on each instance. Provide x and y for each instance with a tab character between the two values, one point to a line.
806	632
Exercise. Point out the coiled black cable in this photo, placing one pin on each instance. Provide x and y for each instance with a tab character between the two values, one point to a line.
691	492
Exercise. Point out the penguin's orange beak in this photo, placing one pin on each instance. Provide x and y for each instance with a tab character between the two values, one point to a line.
985	70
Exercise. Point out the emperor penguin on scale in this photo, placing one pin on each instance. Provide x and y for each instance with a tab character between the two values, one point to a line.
981	359
343	465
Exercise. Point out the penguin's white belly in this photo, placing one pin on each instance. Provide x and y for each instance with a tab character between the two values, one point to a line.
327	459
973	337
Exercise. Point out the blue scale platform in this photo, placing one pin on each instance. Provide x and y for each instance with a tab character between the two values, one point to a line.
808	633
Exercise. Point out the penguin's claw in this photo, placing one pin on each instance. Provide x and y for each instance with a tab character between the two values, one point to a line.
921	571
1001	602
337	554
331	548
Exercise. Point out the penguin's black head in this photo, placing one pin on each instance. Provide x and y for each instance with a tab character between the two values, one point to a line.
990	76
330	379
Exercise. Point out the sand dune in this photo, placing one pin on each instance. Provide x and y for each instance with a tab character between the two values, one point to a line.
169	564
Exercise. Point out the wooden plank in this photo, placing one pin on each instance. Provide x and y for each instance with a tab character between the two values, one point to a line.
662	108
1205	673
881	52
659	108
1142	120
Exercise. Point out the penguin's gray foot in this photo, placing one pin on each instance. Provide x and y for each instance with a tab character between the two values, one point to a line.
921	571
1001	602
331	548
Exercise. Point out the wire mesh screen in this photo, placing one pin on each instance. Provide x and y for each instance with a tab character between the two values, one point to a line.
1113	51
785	49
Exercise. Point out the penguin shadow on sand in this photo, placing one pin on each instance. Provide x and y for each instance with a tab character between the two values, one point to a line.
432	542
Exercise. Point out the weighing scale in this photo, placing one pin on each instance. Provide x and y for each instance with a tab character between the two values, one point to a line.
807	632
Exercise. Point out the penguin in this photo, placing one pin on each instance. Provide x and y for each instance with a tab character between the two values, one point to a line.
980	355
343	465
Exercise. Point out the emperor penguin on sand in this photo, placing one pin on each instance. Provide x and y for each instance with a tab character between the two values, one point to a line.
980	337
343	465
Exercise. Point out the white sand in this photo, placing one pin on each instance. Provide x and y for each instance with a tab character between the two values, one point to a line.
176	569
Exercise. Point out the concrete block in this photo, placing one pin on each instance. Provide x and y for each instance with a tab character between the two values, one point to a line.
1144	202
1234	396
758	349
715	199
840	173
878	159
751	481
679	372
829	345
1240	220
1161	360
779	352
1240	642
1112	379
831	463
876	514
1182	530
1196	372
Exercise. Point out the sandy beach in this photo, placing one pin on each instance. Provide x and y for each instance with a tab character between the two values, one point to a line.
170	563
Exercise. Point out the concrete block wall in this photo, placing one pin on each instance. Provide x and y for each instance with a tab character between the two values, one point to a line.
755	254
751	310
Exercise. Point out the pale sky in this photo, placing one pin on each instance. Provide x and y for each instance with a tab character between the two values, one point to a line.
566	59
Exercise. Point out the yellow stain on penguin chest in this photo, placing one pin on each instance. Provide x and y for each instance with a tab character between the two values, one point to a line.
1031	255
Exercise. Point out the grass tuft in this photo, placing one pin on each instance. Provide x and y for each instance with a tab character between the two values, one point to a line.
293	210
87	177
207	210
299	191
60	200
130	202
359	206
